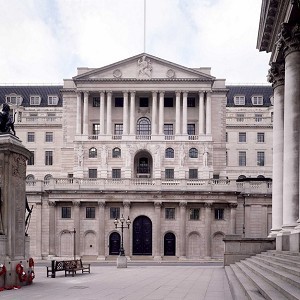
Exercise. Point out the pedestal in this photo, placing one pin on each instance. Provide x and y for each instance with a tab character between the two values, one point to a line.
121	261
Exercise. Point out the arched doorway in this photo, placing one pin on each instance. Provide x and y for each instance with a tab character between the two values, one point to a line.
218	245
169	244
66	244
90	246
142	236
114	243
143	164
194	244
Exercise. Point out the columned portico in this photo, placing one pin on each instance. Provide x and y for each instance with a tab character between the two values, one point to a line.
161	113
177	126
132	112
86	113
108	113
52	225
208	113
201	113
184	113
154	112
78	114
102	113
125	113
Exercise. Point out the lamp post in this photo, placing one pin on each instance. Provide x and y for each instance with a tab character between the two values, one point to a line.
122	221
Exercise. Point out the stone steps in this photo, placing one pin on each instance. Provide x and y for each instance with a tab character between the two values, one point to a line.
269	275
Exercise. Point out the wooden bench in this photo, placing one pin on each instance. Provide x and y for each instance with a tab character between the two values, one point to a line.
69	266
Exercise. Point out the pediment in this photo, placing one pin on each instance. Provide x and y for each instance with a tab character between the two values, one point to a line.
143	67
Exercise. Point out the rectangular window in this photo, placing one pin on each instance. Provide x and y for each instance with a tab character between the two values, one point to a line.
194	213
30	137
193	173
52	100
168	102
49	137
96	129
219	213
17	100
31	159
240	117
239	100
257	100
242	137
96	101
258	117
114	212
242	158
191	129
116	173
35	100
168	129
260	158
170	213
119	101
260	137
118	129
48	158
191	102
66	212
144	102
169	173
90	212
92	173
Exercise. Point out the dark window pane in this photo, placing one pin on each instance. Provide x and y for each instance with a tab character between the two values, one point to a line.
219	213
90	212
66	212
168	102
114	212
144	102
119	102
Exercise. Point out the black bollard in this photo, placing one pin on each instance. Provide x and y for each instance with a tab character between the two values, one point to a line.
52	267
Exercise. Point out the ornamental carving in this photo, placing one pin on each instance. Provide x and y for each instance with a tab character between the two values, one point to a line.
276	74
18	166
76	203
157	204
289	39
144	67
170	73
208	205
126	204
101	204
183	204
233	205
117	73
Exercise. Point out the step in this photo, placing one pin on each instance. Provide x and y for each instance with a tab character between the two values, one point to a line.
288	290
285	261
240	286
281	264
265	288
294	256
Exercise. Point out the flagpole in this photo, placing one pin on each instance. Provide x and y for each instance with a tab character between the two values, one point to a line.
144	26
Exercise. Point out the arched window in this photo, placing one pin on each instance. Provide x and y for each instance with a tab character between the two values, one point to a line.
30	177
242	177
92	152
116	152
169	153
193	153
143	126
48	177
261	176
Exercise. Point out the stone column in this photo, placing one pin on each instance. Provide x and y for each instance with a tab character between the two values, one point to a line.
276	77
233	207
154	113
101	236
161	113
208	237
201	113
38	230
52	228
184	113
157	231
76	213
102	113
126	205
108	113
208	113
125	113
182	235
177	130
132	113
78	114
86	113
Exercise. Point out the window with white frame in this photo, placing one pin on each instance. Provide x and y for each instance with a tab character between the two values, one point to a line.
30	161
242	158
258	117
66	212
239	100
169	153
219	213
240	117
193	153
35	100
242	137
49	137
114	213
116	173
193	173
48	158
90	212
257	100
260	158
52	100
30	137
14	99
260	137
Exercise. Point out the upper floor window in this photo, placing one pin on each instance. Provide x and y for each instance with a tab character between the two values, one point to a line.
49	137
30	137
193	173
96	101
219	213
191	102
169	173
260	137
226	137
242	158
66	212
48	158
35	100
240	117
119	102
194	213
168	102
143	126
14	99
116	152
30	161
92	152
93	173
257	100
30	177
168	129
96	129
169	153
114	213
239	100
52	100
144	102
258	117
191	129
260	158
116	173
242	137
48	177
170	213
193	153
118	129
90	212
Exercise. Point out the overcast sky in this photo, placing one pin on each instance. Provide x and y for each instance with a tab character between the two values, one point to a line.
44	41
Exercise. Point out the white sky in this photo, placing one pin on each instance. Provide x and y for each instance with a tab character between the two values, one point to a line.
44	41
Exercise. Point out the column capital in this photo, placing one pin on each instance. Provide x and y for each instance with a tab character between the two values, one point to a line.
126	204
201	92
154	92
132	92
52	203
76	203
102	93
233	205
157	204
289	39
208	205
125	92
185	93
276	74
178	93
86	93
78	93
101	204
183	204
162	93
109	92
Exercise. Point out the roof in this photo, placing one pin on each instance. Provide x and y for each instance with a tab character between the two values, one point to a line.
248	91
27	91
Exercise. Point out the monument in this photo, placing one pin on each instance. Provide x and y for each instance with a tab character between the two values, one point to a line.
16	268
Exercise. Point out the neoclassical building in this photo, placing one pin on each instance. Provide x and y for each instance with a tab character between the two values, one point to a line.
144	138
279	34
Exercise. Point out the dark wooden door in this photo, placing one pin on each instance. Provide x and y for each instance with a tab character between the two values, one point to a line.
114	243
142	236
169	244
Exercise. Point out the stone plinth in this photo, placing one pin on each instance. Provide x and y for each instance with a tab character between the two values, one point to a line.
121	262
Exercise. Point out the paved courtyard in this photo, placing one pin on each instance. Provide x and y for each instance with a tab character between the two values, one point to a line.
135	282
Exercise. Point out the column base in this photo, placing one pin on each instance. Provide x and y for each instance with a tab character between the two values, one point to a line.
121	262
183	257
274	233
101	258
295	240
283	241
157	258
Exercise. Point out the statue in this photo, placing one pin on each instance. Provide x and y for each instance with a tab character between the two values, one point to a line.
205	157
145	67
80	154
6	120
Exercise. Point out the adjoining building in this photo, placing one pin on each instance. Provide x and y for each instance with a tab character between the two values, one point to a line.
144	138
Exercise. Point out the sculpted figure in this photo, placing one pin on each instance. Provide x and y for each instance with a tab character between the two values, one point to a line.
145	67
6	120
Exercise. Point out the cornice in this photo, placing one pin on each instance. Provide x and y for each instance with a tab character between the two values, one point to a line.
142	80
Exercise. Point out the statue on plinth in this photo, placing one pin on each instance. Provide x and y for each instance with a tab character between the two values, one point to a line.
6	120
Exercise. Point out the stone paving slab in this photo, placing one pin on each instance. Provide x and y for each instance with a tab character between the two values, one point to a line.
132	283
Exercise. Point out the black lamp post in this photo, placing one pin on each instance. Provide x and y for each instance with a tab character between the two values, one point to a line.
122	221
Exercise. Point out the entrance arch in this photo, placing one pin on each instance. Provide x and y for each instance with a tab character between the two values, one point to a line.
218	245
169	244
142	236
114	243
90	245
143	164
